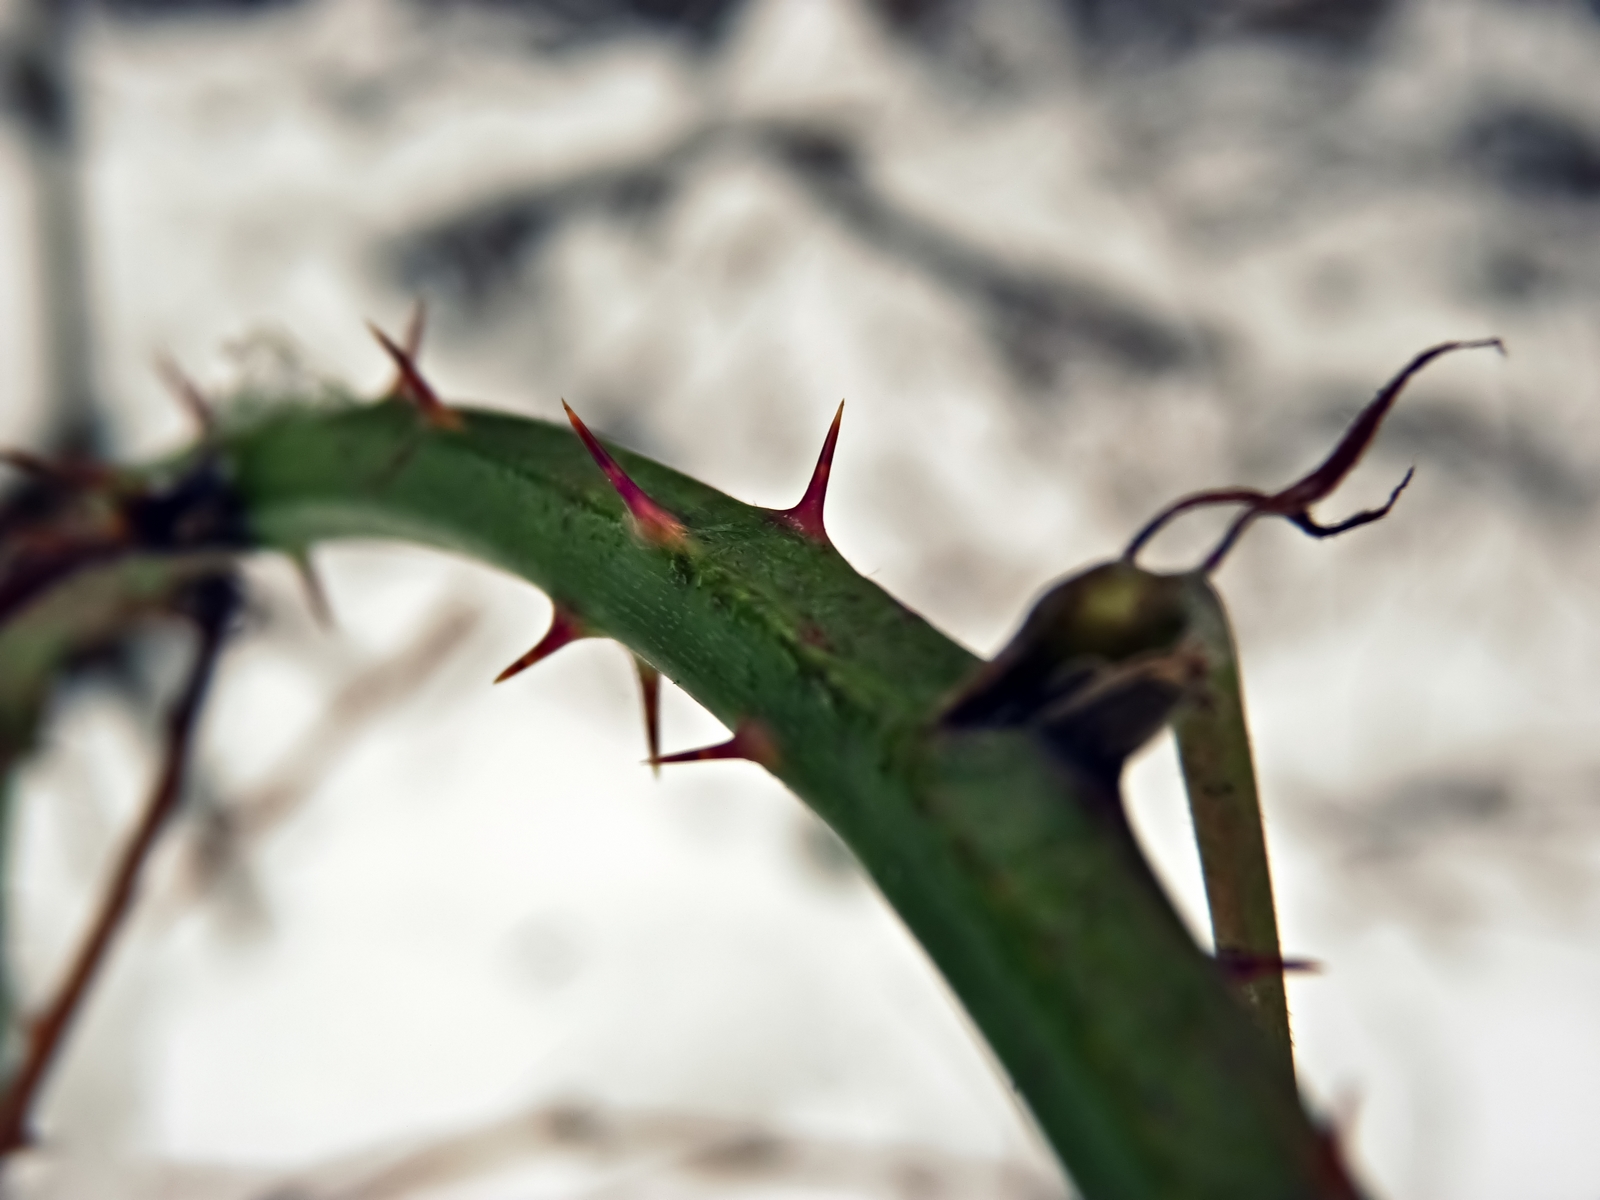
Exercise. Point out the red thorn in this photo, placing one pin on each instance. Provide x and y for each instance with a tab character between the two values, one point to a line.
650	694
188	395
805	518
653	523
750	741
1333	1176
565	626
413	387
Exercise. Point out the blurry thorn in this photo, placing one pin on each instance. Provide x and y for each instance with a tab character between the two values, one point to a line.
1243	966
1333	1176
187	394
32	464
654	524
1294	502
805	518
565	626
81	473
750	741
416	325
316	594
411	386
650	694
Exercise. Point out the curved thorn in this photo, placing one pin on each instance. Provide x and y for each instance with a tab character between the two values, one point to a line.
413	387
750	741
650	695
565	626
805	518
652	522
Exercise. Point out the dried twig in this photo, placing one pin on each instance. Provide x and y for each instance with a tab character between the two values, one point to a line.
214	601
1294	502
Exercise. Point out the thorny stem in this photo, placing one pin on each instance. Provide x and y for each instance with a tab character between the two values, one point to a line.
995	851
216	601
1294	502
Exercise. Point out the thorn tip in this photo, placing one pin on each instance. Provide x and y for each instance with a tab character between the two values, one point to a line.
750	741
652	522
410	384
565	626
805	518
650	695
188	395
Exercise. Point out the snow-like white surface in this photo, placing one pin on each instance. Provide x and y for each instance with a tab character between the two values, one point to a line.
487	906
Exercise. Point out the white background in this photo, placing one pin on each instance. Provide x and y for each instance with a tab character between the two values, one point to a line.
484	907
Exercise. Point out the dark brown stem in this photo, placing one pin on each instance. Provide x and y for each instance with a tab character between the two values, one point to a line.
1294	502
1178	507
216	602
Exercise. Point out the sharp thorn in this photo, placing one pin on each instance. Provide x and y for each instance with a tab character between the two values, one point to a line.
411	386
565	626
652	522
316	594
805	518
188	395
650	695
750	741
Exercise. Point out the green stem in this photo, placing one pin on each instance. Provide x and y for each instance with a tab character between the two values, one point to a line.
1214	748
1143	1071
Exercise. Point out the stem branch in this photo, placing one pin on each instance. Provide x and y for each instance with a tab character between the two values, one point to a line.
216	601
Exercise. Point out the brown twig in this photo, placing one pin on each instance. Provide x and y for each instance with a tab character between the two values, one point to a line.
215	601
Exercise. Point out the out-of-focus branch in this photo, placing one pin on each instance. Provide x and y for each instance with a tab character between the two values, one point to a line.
640	1151
1036	318
213	602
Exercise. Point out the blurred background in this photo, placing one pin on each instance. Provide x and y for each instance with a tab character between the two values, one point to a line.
1065	260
